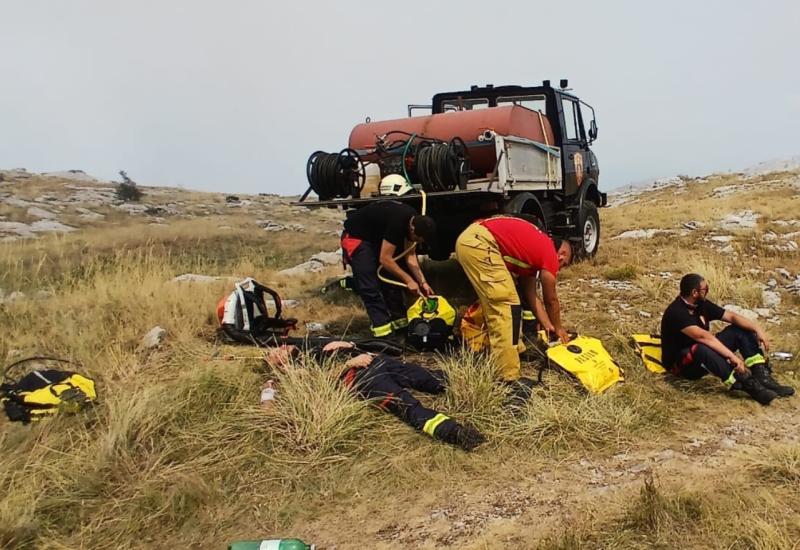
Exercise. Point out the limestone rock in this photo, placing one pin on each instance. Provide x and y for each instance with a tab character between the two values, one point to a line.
153	338
794	286
302	269
315	264
328	258
692	225
195	278
41	213
16	296
50	226
74	175
87	214
750	314
770	299
726	190
639	234
743	220
315	327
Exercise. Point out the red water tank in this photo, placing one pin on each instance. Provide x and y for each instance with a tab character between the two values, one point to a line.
511	120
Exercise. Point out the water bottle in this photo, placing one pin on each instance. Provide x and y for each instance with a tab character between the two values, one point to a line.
272	544
268	394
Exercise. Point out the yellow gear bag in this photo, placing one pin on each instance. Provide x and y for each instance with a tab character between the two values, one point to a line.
585	359
43	393
430	323
648	348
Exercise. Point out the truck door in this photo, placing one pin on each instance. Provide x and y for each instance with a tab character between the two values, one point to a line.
575	149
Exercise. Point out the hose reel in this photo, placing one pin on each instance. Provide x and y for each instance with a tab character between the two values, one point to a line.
336	175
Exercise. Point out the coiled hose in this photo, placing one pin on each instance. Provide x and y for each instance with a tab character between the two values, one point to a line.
335	175
442	166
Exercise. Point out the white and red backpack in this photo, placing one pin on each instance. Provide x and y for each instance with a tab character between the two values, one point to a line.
244	315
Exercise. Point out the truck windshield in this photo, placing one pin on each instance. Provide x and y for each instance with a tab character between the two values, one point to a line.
464	104
532	102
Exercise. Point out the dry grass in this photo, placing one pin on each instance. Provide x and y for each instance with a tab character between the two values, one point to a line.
780	465
736	515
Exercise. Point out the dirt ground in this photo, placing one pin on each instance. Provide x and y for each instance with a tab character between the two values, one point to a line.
526	505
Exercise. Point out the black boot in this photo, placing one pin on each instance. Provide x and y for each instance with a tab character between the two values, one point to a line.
752	387
461	435
468	437
521	390
763	374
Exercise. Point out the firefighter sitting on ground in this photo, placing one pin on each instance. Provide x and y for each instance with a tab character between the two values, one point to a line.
373	236
386	381
690	350
492	252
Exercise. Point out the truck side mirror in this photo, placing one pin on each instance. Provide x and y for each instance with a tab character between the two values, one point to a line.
593	130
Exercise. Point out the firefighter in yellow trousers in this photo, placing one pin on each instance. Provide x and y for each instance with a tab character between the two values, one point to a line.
491	252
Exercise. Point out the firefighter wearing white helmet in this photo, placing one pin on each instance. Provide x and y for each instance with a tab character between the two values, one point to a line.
395	184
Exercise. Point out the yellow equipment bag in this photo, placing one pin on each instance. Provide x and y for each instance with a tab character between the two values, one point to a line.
430	323
473	329
648	347
586	360
42	393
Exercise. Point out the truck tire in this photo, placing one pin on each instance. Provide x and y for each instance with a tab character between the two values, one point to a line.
588	230
528	204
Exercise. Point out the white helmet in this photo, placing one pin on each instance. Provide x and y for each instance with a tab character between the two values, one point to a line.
395	184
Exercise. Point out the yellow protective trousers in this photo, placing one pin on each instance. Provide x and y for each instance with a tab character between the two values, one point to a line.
482	261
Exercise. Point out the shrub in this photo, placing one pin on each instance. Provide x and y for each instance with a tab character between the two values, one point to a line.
127	190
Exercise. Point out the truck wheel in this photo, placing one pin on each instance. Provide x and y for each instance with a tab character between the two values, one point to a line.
528	205
589	229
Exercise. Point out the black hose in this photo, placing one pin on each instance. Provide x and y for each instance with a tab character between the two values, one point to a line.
335	175
28	359
442	166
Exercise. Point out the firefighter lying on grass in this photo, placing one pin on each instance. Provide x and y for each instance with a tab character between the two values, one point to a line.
386	382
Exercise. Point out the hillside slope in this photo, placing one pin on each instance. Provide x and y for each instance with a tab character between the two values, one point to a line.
178	453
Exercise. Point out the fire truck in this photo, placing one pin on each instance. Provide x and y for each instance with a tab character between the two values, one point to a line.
522	150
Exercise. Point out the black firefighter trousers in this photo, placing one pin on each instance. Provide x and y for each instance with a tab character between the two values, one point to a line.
386	382
699	359
385	303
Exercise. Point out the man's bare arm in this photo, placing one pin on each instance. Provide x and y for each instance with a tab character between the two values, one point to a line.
413	266
527	284
551	303
387	261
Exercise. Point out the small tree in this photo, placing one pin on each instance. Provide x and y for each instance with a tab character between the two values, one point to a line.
127	190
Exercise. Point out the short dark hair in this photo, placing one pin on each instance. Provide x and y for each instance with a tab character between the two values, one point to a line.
424	227
557	242
690	282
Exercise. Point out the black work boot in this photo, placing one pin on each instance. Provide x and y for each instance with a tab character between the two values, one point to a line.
468	437
521	390
763	374
752	387
461	435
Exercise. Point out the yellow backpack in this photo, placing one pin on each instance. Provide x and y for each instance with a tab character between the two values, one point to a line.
42	393
430	324
585	359
648	347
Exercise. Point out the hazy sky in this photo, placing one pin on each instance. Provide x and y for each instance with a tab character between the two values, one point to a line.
234	96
